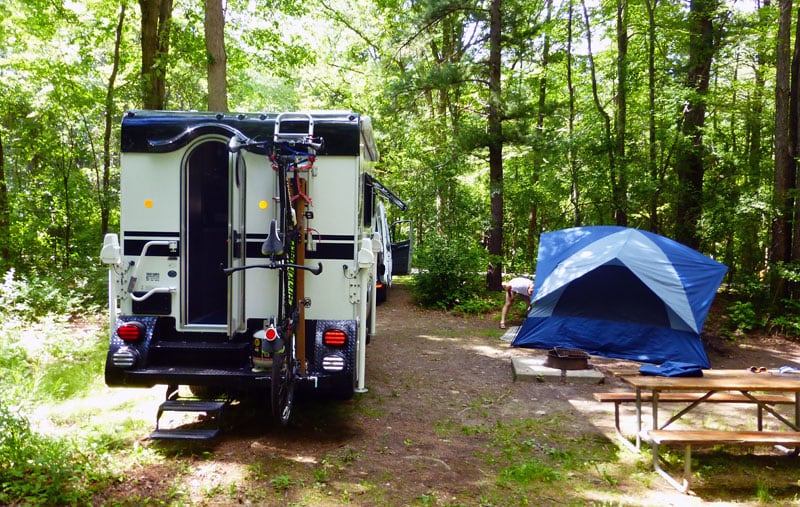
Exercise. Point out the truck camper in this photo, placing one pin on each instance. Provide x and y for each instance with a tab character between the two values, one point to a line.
246	261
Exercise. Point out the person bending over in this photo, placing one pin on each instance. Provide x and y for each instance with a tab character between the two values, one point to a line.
519	286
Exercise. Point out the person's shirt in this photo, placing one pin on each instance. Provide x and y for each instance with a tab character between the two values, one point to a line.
520	285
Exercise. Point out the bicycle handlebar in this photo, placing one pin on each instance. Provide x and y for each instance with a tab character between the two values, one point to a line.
238	142
275	265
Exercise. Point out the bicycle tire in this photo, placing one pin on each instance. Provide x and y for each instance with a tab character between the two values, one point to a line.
282	386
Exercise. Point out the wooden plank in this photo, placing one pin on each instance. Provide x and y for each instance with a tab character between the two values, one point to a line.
676	397
717	380
713	437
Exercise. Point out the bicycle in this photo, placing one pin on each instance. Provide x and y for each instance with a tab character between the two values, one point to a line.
290	154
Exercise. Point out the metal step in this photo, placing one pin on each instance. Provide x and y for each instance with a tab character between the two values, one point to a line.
185	434
190	405
212	408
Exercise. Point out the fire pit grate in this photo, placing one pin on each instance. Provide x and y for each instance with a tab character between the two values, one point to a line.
567	359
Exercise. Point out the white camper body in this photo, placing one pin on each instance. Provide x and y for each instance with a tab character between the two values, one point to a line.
199	192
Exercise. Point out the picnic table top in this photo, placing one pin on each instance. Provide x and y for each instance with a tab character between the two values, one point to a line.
715	380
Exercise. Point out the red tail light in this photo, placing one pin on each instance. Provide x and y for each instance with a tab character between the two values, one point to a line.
130	331
334	337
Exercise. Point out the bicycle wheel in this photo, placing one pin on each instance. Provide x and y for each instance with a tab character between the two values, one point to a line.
282	385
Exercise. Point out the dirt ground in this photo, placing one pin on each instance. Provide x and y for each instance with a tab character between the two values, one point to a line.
426	370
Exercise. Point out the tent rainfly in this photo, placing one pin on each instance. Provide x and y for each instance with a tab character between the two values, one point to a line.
619	292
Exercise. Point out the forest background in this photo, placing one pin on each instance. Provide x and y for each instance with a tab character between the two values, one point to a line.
496	120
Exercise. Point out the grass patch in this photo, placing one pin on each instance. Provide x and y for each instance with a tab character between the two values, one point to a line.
40	470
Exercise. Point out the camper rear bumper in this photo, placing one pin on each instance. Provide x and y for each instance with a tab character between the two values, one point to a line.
148	377
244	379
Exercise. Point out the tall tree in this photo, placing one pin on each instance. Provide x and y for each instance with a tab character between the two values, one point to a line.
538	134
780	250
5	234
574	196
652	148
104	189
690	162
494	275
156	21
217	58
617	194
620	182
794	138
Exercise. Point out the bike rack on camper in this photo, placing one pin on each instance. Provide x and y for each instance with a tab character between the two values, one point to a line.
246	261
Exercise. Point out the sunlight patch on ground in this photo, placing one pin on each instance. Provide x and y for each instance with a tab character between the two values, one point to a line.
787	357
434	338
643	499
489	351
270	449
214	479
101	409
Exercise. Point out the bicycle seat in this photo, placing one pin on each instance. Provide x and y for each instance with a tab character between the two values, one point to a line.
273	244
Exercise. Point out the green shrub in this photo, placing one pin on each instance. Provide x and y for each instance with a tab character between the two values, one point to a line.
37	470
789	320
26	298
449	273
743	317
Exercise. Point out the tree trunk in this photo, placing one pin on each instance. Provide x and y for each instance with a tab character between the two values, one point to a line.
104	191
751	260
780	249
217	59
620	190
5	214
494	275
690	160
794	136
617	195
577	219
652	162
156	19
533	215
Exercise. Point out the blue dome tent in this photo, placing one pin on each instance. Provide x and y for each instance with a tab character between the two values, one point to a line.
619	292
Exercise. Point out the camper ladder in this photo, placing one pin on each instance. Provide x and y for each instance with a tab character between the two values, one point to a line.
288	130
205	430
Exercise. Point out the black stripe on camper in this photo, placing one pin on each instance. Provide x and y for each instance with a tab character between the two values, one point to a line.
134	247
325	250
166	131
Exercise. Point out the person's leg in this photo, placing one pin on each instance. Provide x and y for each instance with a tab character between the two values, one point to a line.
509	300
527	300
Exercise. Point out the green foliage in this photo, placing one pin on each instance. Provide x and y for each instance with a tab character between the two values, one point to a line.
449	273
528	471
788	321
742	317
37	470
281	482
33	296
42	354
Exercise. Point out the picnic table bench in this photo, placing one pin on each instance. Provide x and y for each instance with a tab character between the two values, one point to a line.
715	386
618	398
688	438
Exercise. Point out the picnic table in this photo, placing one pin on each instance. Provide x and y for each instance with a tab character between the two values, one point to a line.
763	389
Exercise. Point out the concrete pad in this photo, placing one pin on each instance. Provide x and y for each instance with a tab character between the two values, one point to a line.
532	369
510	334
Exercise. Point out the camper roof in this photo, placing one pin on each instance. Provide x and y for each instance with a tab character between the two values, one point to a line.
163	131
